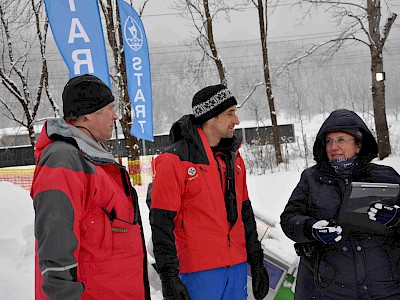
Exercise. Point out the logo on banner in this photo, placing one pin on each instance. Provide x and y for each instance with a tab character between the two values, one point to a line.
133	34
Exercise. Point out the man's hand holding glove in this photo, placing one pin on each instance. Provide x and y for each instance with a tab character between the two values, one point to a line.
326	232
172	287
385	214
259	276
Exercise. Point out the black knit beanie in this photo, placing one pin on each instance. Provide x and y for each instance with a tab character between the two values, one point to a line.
85	94
211	101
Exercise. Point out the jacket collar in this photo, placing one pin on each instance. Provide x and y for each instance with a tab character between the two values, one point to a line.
186	128
58	129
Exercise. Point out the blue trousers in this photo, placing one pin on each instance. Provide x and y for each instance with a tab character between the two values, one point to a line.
217	284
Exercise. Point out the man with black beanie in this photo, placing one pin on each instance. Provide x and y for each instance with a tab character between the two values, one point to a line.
88	230
203	226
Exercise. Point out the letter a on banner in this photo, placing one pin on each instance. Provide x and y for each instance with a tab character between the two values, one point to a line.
77	30
137	71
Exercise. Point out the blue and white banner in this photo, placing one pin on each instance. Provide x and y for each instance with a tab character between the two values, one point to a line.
137	71
77	30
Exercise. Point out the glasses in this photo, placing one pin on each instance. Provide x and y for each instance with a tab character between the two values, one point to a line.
339	141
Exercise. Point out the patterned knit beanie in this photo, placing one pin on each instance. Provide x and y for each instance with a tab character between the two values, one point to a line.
85	94
211	101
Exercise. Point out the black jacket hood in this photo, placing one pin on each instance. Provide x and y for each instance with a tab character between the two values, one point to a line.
345	119
185	127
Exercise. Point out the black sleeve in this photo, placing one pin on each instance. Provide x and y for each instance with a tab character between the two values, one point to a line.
162	227
253	245
148	196
297	216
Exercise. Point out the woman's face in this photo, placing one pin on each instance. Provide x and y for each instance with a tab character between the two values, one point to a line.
341	145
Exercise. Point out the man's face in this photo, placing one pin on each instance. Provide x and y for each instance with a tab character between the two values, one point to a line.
102	122
224	124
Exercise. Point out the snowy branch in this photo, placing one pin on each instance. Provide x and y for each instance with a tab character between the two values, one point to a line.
322	2
362	28
386	29
14	118
251	93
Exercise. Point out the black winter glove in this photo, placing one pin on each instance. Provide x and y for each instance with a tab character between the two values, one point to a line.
173	288
385	214
260	280
326	232
255	255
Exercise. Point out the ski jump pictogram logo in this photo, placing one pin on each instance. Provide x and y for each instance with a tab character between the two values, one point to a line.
133	34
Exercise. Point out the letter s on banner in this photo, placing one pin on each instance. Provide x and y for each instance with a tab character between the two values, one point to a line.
137	71
77	30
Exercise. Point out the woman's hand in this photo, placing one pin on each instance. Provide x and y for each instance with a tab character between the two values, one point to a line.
386	214
326	232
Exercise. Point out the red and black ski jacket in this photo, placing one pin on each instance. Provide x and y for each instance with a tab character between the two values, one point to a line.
201	215
89	237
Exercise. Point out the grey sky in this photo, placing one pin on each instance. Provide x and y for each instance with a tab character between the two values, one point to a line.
164	25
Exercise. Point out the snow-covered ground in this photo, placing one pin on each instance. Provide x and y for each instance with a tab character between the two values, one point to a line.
269	194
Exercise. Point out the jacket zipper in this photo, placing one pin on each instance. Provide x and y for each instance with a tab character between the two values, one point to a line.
209	190
219	171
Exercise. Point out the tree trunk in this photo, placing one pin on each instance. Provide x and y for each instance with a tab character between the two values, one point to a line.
378	87
378	100
267	81
114	35
213	47
32	138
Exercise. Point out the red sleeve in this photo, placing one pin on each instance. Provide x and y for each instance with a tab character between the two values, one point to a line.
169	182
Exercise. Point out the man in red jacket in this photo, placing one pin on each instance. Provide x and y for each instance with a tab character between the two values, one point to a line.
203	226
89	236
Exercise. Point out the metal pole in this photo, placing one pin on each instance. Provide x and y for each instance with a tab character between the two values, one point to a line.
144	147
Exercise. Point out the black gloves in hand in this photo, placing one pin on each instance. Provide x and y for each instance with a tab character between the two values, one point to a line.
260	280
173	288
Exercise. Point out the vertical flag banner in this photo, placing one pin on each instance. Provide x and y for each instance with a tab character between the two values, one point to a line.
77	30
137	71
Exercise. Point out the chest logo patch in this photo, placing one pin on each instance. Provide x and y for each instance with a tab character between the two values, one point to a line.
192	171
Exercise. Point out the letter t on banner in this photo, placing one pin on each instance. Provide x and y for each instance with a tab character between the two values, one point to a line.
137	71
77	30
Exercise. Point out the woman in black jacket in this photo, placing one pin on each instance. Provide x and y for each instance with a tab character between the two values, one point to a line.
338	263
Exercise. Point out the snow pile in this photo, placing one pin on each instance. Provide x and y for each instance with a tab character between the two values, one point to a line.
16	243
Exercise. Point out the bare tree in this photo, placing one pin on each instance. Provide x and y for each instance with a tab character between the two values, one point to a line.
359	22
263	22
297	97
41	33
114	35
17	45
203	14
